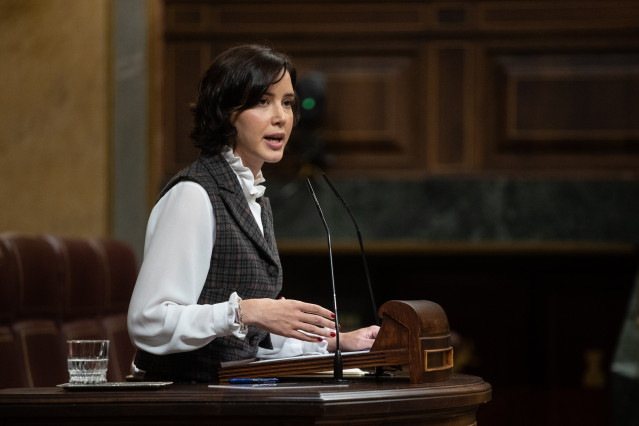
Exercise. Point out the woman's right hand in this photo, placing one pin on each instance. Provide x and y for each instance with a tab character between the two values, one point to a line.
289	318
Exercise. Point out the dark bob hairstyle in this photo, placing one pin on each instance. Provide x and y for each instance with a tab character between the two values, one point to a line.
236	81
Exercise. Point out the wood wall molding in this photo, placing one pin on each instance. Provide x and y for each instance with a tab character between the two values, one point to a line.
565	16
285	18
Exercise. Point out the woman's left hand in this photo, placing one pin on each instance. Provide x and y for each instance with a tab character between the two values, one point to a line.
358	340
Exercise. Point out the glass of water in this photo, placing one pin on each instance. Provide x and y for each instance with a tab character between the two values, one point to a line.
88	361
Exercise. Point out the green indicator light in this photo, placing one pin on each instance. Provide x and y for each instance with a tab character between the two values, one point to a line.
308	103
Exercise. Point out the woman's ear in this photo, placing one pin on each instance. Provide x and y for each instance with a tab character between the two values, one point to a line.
233	118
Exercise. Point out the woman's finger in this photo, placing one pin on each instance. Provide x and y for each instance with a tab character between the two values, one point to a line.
317	321
311	329
313	309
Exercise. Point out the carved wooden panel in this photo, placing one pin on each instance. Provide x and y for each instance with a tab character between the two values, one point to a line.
562	98
370	98
570	109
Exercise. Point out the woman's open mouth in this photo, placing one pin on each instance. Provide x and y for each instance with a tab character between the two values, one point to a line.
275	140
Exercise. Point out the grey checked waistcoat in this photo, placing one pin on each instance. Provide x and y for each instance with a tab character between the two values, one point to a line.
243	260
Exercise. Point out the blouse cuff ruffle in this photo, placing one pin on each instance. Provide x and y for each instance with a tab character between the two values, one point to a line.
232	318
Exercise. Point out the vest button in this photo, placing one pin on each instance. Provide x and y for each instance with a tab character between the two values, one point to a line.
254	340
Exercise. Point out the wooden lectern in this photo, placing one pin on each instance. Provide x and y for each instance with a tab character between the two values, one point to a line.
413	333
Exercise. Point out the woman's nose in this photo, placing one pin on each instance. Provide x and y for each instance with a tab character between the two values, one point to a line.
278	116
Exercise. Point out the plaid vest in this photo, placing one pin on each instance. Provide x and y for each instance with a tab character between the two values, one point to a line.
243	260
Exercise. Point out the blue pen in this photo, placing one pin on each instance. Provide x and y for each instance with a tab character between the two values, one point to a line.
245	380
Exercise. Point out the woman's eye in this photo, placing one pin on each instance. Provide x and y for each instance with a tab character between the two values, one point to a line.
288	103
263	101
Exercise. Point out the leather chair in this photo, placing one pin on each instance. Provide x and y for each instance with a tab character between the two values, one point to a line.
122	272
38	275
44	356
85	277
9	270
12	369
53	289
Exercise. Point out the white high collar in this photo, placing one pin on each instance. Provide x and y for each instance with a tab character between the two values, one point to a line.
250	184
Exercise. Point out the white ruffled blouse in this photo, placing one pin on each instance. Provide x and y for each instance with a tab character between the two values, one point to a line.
164	316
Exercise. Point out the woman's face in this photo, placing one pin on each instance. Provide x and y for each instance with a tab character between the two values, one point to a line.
263	130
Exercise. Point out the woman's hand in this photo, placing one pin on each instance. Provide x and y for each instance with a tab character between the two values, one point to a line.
289	318
358	340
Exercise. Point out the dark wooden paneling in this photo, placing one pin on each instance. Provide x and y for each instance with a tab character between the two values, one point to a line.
184	65
273	18
573	97
557	16
450	105
421	88
451	98
570	109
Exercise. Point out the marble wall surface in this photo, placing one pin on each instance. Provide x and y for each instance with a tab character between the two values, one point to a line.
462	209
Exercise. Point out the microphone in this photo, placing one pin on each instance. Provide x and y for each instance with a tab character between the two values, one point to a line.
338	366
379	371
361	248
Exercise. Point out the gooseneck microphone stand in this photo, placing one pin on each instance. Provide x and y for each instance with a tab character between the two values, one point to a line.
361	248
338	367
379	371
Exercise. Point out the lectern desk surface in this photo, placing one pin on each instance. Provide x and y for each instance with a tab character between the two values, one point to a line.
362	401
